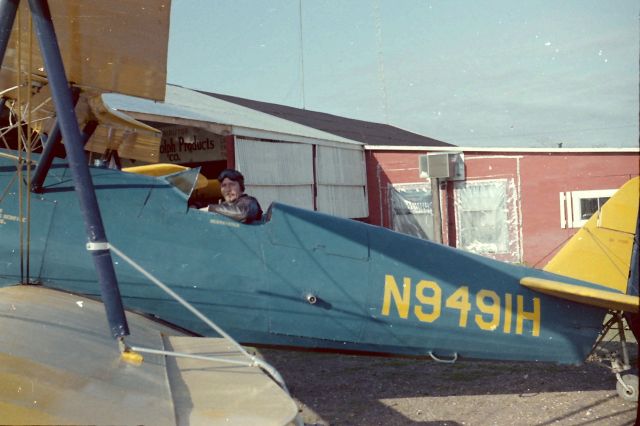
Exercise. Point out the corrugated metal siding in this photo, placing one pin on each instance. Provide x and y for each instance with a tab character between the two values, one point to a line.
342	184
283	172
343	201
337	166
276	171
274	163
298	196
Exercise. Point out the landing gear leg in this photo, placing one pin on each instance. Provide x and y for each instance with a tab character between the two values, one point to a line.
627	384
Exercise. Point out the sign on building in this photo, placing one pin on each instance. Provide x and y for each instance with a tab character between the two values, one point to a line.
191	145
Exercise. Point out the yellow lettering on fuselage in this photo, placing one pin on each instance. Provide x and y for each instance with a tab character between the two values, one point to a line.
460	300
435	301
430	305
522	315
402	302
508	312
492	309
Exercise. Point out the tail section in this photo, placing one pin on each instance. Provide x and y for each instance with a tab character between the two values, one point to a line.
634	274
633	319
601	251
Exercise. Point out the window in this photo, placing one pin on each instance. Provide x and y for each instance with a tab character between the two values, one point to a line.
588	206
577	207
411	209
481	216
487	218
486	215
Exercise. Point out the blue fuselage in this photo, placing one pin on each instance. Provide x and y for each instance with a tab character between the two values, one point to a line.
374	290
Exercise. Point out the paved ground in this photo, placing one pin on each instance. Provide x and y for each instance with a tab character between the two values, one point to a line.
334	389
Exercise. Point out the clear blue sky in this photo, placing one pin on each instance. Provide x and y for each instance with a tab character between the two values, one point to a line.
472	73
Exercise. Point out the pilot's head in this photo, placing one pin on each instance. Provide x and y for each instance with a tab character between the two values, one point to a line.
231	184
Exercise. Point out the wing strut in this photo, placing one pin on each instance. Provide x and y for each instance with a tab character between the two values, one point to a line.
66	117
48	149
8	9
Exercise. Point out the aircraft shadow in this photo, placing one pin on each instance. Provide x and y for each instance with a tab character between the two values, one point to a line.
349	389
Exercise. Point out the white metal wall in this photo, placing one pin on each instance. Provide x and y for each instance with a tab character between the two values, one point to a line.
279	171
283	172
341	181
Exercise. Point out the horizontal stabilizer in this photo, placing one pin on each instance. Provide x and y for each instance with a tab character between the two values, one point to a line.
585	295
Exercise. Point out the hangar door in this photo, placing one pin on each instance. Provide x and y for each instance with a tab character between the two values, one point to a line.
342	182
277	171
329	179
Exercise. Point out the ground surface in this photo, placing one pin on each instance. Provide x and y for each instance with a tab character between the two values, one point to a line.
334	389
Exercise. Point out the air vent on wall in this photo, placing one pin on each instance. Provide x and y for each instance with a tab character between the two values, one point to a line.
442	165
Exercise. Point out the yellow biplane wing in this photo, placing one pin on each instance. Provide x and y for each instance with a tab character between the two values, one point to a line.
126	54
163	169
106	46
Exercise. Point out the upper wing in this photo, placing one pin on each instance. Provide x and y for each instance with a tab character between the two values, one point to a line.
106	46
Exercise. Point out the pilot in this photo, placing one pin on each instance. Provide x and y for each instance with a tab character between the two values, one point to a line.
236	205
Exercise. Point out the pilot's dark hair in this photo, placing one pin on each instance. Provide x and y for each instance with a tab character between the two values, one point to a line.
233	175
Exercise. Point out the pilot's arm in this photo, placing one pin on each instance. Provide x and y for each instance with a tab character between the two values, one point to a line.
246	209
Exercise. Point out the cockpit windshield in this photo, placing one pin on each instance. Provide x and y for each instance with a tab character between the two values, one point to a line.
185	181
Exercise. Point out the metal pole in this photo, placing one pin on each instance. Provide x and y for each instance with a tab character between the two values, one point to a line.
79	168
46	158
437	215
8	9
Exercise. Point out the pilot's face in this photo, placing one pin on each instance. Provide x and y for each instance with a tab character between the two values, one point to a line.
230	190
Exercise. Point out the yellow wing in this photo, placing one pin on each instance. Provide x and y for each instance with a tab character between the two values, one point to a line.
163	169
100	44
580	294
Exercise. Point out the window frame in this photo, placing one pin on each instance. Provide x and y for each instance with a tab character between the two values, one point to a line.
571	206
460	210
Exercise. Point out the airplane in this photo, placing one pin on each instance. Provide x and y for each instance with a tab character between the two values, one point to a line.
59	364
300	278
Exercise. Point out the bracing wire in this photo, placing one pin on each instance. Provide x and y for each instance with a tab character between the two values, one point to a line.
20	141
253	361
29	144
20	113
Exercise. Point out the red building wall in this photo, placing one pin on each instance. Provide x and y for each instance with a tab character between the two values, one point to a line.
539	178
545	176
